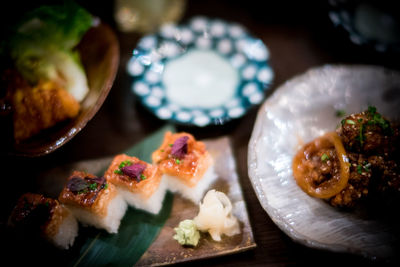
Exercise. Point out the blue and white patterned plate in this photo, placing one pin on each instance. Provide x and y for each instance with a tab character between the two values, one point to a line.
205	72
373	24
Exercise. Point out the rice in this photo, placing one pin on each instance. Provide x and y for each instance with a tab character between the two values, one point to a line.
139	182
112	219
67	232
195	193
151	204
35	213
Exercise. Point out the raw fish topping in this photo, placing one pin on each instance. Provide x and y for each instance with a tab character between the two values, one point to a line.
180	147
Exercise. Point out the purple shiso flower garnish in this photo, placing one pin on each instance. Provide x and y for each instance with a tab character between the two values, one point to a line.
99	180
179	148
77	184
134	171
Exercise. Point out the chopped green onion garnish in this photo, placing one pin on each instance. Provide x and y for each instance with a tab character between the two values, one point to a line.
359	169
125	163
177	161
362	134
371	110
340	113
324	157
93	186
366	167
142	177
121	165
377	119
84	191
350	122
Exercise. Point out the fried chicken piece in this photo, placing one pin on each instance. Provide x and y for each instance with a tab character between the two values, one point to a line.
41	107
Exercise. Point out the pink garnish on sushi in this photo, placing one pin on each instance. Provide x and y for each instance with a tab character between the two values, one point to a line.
179	148
134	171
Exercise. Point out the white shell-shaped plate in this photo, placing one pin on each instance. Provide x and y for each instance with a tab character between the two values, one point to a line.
299	111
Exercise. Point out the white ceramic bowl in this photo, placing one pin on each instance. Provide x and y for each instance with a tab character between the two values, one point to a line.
299	111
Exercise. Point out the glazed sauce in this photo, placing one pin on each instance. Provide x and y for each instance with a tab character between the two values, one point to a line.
191	166
321	167
82	189
33	212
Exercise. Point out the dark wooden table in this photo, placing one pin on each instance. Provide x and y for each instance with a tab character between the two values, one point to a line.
299	36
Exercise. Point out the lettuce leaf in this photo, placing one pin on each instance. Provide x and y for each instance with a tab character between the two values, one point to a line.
42	46
59	26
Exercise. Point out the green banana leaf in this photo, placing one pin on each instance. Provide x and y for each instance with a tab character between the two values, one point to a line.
137	231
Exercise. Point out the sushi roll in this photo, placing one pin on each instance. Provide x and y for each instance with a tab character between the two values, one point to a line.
138	182
36	215
186	165
93	201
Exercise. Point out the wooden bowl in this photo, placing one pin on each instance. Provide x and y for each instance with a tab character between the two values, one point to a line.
99	51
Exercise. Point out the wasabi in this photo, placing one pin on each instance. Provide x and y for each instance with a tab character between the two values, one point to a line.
187	233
